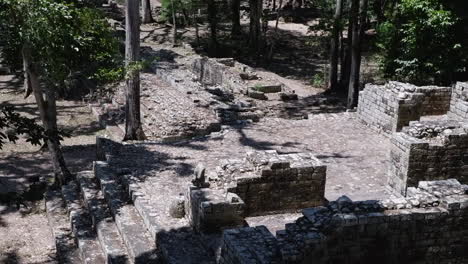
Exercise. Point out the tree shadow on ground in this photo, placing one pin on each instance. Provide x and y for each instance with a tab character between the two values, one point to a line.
295	56
315	104
143	160
9	257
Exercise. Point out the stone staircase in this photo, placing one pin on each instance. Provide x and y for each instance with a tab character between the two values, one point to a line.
106	226
103	217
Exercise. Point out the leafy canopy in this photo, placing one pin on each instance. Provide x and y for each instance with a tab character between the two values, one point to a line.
421	44
64	38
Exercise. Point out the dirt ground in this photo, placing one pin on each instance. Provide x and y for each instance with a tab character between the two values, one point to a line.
24	234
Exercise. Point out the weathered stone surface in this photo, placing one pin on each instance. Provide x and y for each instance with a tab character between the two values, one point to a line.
249	245
392	106
255	94
270	182
362	232
109	237
288	96
81	224
459	102
177	208
199	176
266	88
57	216
428	151
139	244
211	210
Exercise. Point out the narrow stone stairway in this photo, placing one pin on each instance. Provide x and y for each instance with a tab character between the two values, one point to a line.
105	225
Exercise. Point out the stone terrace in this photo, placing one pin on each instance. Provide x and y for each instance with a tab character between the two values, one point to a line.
355	156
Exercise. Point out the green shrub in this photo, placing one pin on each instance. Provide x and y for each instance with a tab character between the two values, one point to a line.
421	44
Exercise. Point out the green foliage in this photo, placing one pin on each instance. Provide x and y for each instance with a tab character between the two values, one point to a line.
13	124
318	80
421	43
64	38
185	7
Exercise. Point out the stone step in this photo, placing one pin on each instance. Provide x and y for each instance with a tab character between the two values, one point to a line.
82	226
181	246
57	217
140	245
109	237
4	70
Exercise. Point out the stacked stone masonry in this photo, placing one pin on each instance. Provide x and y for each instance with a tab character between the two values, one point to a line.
235	76
270	182
210	210
263	182
392	106
430	225
428	151
459	102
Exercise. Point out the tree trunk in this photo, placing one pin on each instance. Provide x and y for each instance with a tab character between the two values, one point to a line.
46	103
297	4
174	24
276	37
195	22
346	62
255	38
358	31
133	128
334	47
235	9
213	21
146	10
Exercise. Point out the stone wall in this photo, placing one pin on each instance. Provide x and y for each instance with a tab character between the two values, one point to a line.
270	182
459	102
217	72
392	106
428	151
210	210
430	225
263	182
236	77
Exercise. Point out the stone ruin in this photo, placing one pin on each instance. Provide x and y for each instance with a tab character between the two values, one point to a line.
239	77
428	150
434	149
459	102
428	160
264	182
392	106
430	225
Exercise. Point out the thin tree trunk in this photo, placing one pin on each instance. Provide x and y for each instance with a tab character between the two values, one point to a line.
274	5
174	24
235	9
297	4
185	16
146	10
342	57
334	47
346	63
270	54
195	21
46	103
255	37
133	127
358	29
213	21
